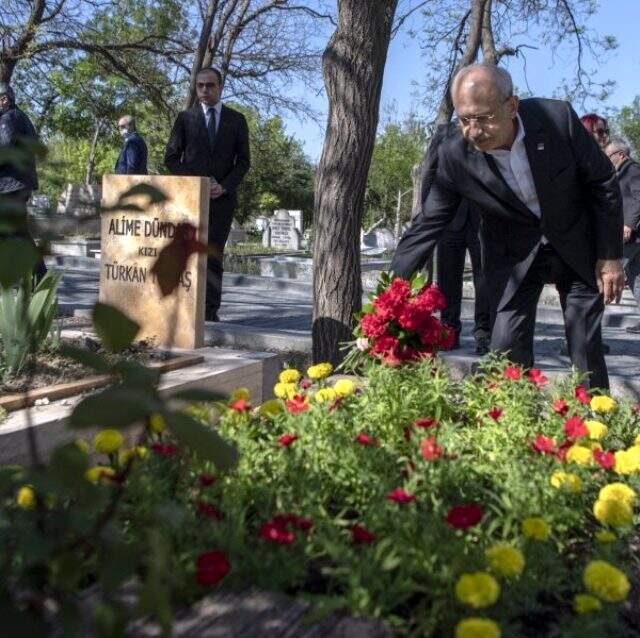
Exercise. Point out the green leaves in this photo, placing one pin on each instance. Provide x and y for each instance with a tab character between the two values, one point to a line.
114	328
17	258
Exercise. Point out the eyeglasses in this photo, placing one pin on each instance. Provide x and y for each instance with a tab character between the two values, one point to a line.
480	120
207	85
610	155
601	132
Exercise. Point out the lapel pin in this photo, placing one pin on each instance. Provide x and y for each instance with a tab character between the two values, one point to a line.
541	146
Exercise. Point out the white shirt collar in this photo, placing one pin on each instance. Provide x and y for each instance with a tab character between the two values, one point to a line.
217	107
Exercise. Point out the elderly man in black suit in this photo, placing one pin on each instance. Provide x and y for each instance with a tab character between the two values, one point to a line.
212	140
551	213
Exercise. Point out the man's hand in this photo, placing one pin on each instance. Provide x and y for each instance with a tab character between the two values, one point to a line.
627	231
216	191
610	278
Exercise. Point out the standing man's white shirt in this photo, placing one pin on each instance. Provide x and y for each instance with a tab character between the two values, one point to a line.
218	110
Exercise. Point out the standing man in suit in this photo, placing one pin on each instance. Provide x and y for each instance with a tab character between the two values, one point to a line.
212	140
133	156
461	235
551	213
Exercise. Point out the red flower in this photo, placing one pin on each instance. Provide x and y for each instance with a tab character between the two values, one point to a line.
426	423
361	535
298	404
464	516
287	439
241	405
400	496
606	460
561	454
209	511
164	449
275	532
537	377
492	386
430	450
364	439
447	338
206	480
560	406
374	326
543	445
582	395
513	373
305	384
575	428
385	346
286	521
495	413
211	568
431	299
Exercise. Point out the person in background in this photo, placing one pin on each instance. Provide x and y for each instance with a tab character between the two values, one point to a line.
598	127
133	156
628	171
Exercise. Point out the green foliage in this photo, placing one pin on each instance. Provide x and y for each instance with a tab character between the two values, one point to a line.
26	317
627	122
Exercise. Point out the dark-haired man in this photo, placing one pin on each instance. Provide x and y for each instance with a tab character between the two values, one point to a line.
212	140
551	213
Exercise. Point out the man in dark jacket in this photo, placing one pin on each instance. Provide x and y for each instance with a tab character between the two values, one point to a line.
551	213
212	140
18	181
133	156
619	152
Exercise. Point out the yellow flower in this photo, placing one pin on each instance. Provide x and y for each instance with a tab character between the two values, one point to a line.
108	441
605	536
477	590
603	404
271	408
344	387
240	393
94	474
605	581
536	528
319	371
586	603
26	498
82	445
614	513
477	628
325	394
504	560
285	390
627	461
157	424
637	441
290	375
618	492
137	452
579	455
566	481
597	430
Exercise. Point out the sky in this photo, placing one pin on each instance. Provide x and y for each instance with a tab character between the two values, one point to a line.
544	72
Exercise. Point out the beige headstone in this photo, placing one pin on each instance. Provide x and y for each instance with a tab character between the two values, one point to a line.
131	243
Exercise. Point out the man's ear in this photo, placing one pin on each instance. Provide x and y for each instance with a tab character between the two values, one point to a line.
514	102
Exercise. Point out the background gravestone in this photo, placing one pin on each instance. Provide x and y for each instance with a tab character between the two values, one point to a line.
282	232
131	243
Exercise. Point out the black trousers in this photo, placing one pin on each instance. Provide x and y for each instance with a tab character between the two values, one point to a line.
220	218
451	253
582	307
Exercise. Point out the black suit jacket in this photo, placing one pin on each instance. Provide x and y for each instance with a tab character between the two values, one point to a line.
188	151
133	156
629	178
577	189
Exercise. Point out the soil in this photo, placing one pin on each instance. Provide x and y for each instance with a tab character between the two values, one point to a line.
52	368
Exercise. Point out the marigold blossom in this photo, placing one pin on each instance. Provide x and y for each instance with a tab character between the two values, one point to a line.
26	498
619	492
289	375
613	512
536	528
603	404
478	590
504	560
606	582
108	441
477	628
586	604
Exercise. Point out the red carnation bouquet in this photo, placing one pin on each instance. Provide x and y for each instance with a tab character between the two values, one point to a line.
398	325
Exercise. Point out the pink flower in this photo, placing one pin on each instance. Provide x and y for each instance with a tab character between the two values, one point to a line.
364	439
495	413
543	445
430	450
606	460
464	516
211	568
513	373
361	535
287	440
560	406
400	496
537	378
575	428
582	395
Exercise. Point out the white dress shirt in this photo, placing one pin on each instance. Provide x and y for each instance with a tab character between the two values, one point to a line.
218	110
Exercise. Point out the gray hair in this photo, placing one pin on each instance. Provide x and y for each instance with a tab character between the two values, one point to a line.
500	78
620	144
129	121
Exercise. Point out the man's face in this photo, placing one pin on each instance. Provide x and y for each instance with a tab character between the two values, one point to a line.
5	102
208	88
485	117
616	156
123	128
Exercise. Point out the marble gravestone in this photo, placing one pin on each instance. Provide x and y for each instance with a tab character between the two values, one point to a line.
131	243
282	232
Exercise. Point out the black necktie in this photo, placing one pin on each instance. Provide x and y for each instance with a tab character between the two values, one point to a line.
211	126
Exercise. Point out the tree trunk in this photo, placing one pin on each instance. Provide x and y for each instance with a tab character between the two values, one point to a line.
353	66
91	160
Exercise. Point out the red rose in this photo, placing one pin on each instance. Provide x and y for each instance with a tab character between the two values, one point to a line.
361	535
560	406
543	445
430	450
606	460
537	377
582	395
241	405
209	511
513	373
364	439
400	496
287	439
426	422
275	532
206	480
464	516
298	404
211	568
575	428
495	413
164	449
